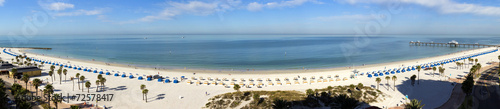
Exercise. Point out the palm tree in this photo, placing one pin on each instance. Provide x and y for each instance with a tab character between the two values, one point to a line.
145	92
236	87
56	99
78	78
52	68
433	71
102	80
26	79
81	79
280	104
478	68
378	81
418	77
73	80
87	84
49	89
470	59
394	78
458	63
414	104
388	78
59	72
65	72
50	74
36	82
412	78
97	84
441	71
142	88
476	60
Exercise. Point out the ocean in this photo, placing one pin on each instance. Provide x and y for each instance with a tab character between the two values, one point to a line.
241	52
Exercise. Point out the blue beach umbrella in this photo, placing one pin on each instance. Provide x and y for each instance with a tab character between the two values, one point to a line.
116	74
387	73
369	75
380	74
84	69
95	71
403	70
107	73
160	80
176	81
124	75
131	76
140	78
167	80
149	79
392	72
101	72
79	68
89	70
182	77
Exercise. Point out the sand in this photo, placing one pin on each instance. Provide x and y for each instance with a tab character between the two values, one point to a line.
433	90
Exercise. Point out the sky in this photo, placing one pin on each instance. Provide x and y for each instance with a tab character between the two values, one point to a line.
369	17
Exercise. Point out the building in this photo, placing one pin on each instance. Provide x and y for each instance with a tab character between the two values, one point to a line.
30	70
5	68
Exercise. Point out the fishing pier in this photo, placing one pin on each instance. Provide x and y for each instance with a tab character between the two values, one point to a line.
450	44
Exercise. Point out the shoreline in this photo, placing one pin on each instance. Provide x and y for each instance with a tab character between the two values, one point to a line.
250	71
191	92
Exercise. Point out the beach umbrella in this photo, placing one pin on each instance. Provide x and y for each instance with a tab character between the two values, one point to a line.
380	74
100	72
107	73
160	80
369	75
95	71
184	77
376	74
392	72
84	69
176	81
89	70
167	80
149	79
79	68
387	73
116	74
403	70
131	76
124	75
140	78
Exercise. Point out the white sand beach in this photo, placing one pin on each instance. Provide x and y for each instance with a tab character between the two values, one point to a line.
433	90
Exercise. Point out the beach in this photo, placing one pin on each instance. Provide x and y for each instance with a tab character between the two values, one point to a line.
190	96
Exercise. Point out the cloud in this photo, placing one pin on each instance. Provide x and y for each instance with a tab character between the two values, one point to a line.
443	6
192	7
345	17
254	6
59	6
1	2
81	12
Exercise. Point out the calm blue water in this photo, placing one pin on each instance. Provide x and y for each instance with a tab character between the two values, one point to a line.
240	52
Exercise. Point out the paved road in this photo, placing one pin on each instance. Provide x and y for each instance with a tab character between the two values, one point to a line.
486	91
